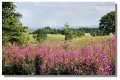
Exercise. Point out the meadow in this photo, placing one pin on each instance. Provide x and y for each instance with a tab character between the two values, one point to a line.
50	46
55	37
86	55
79	41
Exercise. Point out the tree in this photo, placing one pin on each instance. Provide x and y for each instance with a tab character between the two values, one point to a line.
97	33
68	32
11	26
107	23
40	35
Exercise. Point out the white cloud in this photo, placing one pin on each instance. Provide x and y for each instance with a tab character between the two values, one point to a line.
52	14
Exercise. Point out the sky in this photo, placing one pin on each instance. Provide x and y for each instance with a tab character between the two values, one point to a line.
56	14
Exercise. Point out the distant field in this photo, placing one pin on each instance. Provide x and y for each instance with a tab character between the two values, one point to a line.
55	37
88	39
87	34
60	37
77	41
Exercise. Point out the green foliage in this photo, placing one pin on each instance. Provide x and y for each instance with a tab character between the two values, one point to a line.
68	32
25	39
88	30
78	33
47	30
112	72
60	70
30	67
107	23
11	26
38	62
40	35
14	69
97	33
87	68
72	33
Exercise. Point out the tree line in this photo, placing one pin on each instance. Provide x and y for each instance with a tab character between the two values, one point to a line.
49	30
67	31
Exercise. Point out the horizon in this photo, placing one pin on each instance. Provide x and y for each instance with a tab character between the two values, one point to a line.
62	27
55	14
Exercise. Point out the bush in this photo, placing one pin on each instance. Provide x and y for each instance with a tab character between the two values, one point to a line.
97	33
38	62
41	37
14	69
69	34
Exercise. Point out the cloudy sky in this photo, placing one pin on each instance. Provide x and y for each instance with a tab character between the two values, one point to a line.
53	14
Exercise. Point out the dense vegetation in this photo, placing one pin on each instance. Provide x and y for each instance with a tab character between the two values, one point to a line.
51	51
57	58
12	28
107	23
67	31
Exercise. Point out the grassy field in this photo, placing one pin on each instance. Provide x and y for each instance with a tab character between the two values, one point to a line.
88	39
77	41
55	37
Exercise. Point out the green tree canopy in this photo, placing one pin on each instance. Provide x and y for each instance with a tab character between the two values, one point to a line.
11	25
40	35
68	32
107	23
